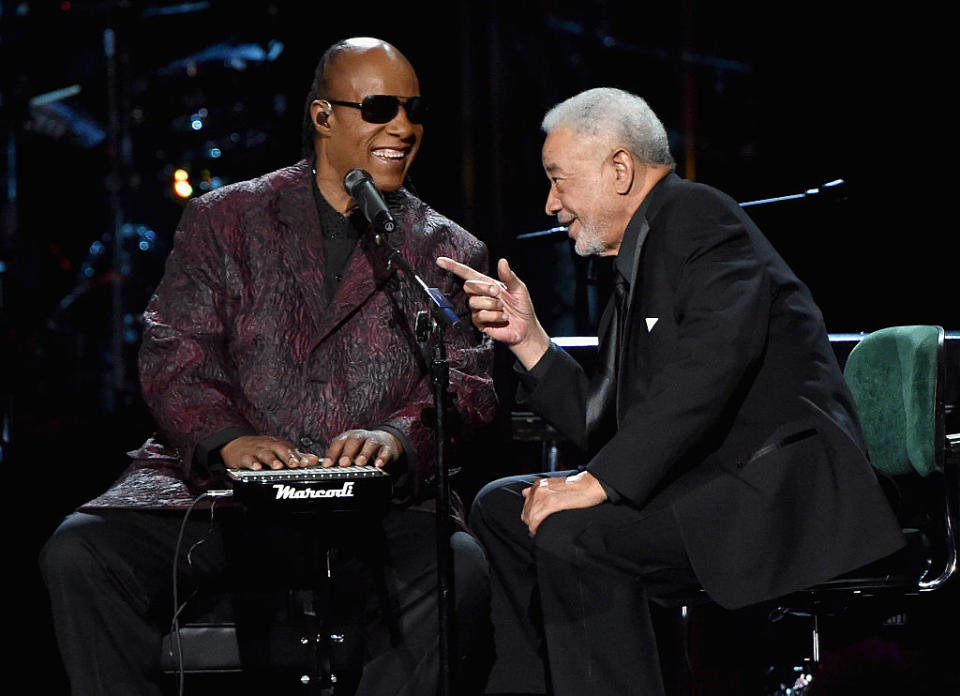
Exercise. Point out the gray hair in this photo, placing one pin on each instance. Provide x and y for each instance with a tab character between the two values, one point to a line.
614	115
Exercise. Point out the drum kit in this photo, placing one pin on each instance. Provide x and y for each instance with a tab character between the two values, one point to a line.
208	116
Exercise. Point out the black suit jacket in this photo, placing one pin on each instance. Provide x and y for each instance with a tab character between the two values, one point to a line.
730	405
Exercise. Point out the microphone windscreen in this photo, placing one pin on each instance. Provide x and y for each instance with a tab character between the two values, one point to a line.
354	179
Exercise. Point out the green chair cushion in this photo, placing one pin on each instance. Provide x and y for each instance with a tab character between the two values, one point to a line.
893	375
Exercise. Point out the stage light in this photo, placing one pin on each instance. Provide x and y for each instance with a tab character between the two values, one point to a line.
181	183
183	189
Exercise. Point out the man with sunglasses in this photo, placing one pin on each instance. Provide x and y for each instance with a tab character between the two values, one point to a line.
281	337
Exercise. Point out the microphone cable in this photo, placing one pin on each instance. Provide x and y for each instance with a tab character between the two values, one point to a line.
177	607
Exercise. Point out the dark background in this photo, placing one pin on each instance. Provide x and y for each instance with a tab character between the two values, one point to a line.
760	99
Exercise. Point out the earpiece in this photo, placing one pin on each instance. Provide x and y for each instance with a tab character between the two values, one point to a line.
325	110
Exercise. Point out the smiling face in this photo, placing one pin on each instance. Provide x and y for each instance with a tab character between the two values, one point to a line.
345	141
582	193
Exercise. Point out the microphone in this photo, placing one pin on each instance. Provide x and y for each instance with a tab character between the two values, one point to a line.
359	184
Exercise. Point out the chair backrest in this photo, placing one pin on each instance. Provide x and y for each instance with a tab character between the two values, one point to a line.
895	376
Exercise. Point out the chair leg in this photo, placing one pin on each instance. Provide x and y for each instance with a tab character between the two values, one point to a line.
815	640
794	677
687	676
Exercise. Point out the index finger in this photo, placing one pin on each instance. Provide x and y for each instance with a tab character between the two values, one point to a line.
332	454
462	271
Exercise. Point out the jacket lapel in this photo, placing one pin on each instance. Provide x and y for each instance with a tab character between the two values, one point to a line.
636	333
299	221
367	270
356	288
603	400
632	334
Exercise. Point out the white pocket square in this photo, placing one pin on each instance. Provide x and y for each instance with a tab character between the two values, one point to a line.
650	322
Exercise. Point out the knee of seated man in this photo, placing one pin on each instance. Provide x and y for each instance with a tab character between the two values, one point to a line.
564	536
499	500
470	563
471	575
68	552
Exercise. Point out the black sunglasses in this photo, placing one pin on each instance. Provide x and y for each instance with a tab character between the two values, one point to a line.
382	108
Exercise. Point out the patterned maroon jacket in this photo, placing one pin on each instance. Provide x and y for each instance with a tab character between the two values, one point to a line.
241	338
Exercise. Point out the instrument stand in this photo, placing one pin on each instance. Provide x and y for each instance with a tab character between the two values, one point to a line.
433	331
430	327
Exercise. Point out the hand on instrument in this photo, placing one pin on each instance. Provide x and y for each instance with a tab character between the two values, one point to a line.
362	448
259	451
555	493
502	309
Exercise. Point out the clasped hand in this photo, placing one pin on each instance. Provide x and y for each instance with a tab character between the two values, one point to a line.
555	493
350	448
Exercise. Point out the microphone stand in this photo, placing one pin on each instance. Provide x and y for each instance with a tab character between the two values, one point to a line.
431	326
833	189
586	302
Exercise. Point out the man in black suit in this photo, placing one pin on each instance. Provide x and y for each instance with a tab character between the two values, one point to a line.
724	446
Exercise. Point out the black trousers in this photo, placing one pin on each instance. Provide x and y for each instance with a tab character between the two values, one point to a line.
570	605
109	575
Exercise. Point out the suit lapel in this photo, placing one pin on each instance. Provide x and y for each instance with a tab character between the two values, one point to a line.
603	401
634	333
299	221
357	287
600	395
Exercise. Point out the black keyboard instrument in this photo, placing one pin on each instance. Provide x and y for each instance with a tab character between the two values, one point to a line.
314	489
